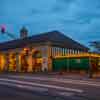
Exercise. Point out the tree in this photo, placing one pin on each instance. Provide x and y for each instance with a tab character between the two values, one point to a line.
96	46
96	49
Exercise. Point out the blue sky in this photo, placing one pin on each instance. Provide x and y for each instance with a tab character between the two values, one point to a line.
78	19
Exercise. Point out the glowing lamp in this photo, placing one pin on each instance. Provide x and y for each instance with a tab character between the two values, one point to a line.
26	50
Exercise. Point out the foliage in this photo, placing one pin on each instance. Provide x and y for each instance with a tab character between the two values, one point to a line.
96	46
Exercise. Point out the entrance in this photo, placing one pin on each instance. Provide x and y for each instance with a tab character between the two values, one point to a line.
37	61
2	62
11	59
24	63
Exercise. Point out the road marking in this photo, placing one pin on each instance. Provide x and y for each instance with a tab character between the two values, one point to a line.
43	85
81	82
25	87
66	93
39	89
78	82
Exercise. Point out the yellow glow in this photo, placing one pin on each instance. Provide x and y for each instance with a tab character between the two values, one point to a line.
12	61
2	62
39	60
33	50
26	49
79	55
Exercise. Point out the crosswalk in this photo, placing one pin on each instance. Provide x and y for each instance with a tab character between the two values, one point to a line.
40	87
81	82
43	84
51	85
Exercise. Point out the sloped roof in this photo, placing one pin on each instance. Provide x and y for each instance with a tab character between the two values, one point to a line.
54	38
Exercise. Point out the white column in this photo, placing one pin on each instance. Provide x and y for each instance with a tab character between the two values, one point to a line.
53	51
62	51
69	51
73	51
65	51
45	58
56	51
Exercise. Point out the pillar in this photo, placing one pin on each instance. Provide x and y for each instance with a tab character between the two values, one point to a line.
6	62
44	58
18	67
50	59
30	69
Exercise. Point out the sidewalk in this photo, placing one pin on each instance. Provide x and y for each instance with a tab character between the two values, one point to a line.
78	76
74	76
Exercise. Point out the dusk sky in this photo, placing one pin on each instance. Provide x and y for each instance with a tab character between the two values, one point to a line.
78	19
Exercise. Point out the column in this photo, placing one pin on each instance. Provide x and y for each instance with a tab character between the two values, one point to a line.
17	62
6	65
53	51
49	59
30	69
58	51
64	51
45	52
2	62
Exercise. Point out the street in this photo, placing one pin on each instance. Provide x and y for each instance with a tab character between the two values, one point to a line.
47	87
7	93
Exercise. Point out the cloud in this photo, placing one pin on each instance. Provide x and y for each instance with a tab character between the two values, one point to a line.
61	6
81	17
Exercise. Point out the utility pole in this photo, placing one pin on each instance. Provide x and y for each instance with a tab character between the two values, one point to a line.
90	68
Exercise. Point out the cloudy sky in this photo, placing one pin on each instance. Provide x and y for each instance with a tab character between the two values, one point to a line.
79	19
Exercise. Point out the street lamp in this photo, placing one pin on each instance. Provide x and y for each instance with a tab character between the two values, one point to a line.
3	31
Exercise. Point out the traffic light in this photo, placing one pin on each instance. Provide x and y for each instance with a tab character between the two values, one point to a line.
3	29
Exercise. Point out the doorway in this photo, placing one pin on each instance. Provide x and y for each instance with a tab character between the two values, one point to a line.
37	61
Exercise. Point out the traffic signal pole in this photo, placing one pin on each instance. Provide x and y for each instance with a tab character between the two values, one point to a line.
3	31
10	35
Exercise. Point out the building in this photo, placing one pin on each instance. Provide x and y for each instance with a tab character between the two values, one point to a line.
82	62
35	53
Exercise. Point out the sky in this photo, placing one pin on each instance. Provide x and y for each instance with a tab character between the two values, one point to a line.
78	19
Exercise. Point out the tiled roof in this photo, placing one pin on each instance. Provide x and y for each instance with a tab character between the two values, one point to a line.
54	38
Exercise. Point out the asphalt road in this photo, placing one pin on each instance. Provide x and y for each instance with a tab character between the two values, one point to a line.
8	93
14	87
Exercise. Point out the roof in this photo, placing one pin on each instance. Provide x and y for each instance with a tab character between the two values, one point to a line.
55	38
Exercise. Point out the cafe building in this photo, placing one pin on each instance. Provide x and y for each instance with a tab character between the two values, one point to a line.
35	53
